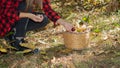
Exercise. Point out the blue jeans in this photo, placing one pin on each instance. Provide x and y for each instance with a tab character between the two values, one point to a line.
25	24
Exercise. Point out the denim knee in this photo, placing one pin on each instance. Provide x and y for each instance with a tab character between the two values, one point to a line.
32	25
45	20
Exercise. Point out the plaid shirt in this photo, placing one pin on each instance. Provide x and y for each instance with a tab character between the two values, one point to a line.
51	14
9	14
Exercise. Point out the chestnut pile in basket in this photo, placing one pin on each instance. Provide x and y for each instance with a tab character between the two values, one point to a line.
82	28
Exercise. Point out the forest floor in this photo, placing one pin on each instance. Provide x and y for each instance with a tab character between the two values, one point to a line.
103	50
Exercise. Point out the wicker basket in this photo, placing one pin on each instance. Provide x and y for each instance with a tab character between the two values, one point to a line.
76	41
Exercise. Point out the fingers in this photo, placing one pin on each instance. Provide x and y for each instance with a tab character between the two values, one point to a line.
69	27
73	29
38	18
41	16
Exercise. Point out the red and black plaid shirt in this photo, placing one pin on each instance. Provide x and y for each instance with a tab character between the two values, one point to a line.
51	14
9	14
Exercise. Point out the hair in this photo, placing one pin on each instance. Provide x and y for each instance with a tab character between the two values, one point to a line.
37	3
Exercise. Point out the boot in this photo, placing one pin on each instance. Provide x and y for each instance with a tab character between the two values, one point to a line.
24	41
17	46
10	38
15	42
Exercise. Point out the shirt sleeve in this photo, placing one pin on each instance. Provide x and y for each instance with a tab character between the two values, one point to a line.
51	14
8	15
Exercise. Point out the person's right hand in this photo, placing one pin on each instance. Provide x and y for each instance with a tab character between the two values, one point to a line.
36	18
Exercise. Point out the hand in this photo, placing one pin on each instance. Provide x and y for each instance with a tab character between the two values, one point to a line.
36	18
69	27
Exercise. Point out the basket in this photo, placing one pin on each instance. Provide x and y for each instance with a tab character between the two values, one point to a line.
76	41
